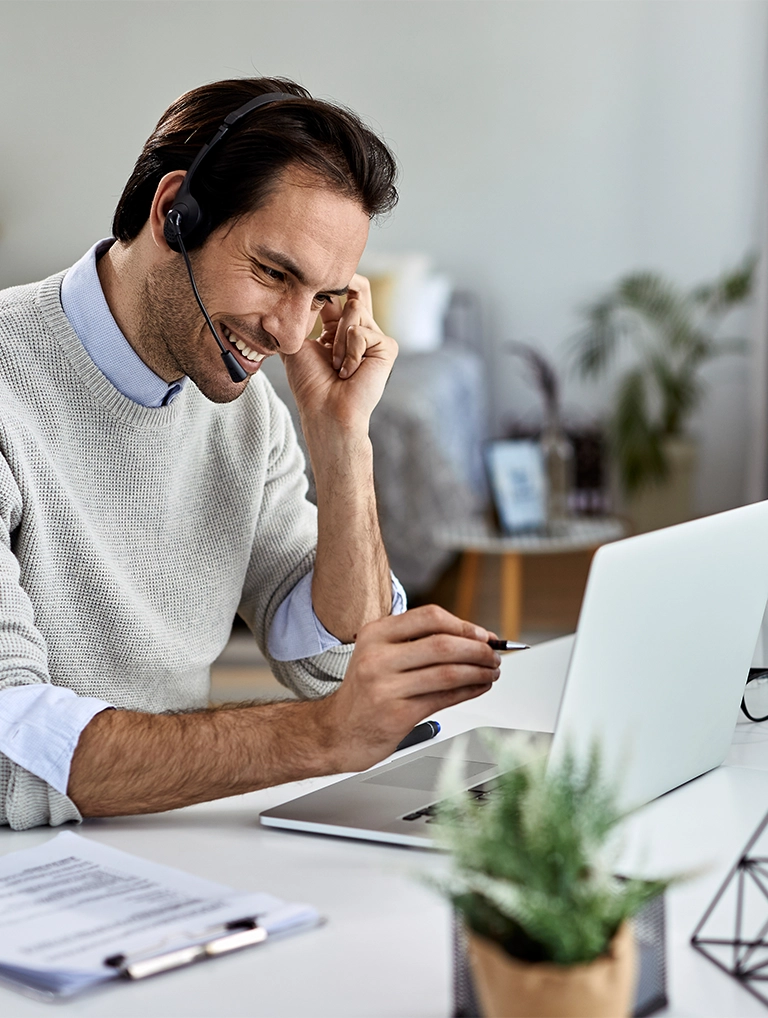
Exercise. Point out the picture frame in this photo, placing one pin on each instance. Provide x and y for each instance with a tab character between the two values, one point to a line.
516	474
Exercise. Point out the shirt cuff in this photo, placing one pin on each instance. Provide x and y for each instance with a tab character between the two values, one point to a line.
40	726
296	632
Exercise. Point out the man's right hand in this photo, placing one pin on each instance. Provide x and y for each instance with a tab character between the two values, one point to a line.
404	668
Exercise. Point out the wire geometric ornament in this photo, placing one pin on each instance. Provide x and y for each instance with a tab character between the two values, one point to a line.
741	904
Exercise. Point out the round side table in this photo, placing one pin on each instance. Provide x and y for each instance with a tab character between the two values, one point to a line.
475	538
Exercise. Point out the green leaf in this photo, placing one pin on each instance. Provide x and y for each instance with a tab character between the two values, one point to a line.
530	867
731	288
669	333
596	344
635	436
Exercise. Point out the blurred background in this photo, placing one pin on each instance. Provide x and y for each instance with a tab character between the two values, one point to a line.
586	179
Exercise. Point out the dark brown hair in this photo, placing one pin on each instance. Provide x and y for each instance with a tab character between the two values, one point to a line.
238	176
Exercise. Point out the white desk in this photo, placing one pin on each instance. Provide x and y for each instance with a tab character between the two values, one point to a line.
385	950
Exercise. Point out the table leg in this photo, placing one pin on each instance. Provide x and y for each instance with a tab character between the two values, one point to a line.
467	584
511	595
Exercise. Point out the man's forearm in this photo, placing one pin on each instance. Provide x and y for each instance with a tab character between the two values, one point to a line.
403	669
351	583
337	383
127	762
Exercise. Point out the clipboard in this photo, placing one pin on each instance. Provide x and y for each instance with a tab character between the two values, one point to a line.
80	915
234	936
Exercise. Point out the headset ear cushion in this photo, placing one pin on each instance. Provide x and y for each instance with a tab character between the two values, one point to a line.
171	228
183	218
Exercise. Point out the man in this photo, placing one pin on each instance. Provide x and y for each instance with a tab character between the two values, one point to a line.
148	491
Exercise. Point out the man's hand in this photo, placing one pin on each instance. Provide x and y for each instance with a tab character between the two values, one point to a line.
403	669
338	379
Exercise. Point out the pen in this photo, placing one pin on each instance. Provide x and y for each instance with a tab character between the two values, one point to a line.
507	645
426	730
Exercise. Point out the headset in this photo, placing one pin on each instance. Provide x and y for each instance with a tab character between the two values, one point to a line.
185	217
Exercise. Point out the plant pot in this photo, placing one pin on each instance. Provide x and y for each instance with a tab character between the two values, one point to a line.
670	501
509	988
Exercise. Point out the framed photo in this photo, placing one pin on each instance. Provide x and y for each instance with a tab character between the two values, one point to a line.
518	484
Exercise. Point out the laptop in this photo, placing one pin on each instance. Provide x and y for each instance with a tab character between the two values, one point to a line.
663	646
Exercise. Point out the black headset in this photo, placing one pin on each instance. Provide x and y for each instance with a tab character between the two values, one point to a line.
185	217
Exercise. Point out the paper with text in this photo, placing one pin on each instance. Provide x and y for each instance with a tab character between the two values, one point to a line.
71	903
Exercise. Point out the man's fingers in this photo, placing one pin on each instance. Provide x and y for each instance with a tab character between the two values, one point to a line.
330	313
433	702
354	315
351	343
441	648
442	678
360	289
328	336
340	341
357	342
419	622
356	333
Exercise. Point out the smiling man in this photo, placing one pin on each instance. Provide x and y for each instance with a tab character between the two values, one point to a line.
151	488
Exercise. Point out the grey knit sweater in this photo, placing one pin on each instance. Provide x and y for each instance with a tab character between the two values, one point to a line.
130	536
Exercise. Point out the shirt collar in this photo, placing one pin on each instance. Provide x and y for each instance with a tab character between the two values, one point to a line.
86	308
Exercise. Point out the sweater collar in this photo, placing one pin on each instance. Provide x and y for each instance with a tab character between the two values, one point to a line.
86	308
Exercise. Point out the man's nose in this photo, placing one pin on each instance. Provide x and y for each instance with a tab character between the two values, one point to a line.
289	325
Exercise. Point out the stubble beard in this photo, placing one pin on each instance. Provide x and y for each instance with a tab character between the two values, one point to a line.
174	329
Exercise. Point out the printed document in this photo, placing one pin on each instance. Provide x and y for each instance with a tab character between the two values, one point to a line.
69	906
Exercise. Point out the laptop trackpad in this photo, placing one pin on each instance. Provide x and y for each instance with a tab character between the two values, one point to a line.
423	773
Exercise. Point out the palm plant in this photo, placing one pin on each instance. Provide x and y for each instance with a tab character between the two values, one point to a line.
673	333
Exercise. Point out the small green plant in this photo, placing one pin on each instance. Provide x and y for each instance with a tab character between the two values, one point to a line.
672	333
529	866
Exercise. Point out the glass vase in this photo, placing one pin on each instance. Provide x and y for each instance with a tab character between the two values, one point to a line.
558	465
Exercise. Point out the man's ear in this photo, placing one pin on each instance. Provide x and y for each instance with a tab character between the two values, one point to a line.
165	194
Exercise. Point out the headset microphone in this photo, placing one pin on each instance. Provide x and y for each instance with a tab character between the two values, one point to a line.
186	220
236	372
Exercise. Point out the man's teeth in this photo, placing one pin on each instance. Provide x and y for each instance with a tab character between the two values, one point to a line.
246	351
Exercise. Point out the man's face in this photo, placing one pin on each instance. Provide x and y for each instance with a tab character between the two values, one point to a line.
263	280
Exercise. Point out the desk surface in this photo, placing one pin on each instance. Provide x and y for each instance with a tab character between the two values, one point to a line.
385	950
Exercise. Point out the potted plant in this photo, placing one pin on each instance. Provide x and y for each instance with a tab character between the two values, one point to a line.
547	921
671	334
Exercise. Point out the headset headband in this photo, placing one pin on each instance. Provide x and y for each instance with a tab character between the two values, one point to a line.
185	215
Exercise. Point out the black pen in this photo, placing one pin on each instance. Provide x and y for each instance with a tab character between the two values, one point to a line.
507	645
421	733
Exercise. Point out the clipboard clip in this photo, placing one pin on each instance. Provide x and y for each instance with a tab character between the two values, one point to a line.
236	936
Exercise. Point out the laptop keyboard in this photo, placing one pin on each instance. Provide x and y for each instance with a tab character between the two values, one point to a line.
480	793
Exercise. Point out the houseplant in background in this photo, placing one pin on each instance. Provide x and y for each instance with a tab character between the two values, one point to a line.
547	921
670	334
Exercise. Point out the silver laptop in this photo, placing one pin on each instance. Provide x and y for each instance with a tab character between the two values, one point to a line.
666	634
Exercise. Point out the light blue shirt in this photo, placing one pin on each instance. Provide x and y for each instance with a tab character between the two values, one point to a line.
40	724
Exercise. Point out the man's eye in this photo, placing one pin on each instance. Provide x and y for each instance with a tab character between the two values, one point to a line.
322	298
272	273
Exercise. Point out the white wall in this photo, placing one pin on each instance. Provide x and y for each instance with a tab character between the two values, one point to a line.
546	147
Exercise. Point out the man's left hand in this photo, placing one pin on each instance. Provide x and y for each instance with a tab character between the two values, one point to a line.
339	378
